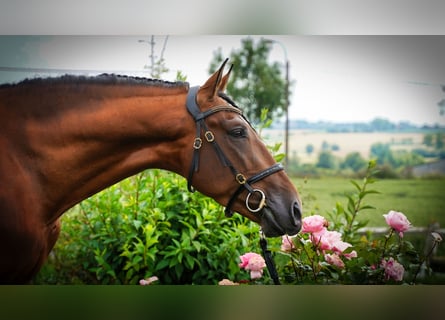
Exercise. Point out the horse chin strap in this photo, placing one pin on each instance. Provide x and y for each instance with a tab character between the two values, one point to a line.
244	183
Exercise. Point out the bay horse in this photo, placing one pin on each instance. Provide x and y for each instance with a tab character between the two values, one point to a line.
64	139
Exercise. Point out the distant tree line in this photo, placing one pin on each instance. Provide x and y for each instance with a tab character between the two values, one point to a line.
391	163
376	125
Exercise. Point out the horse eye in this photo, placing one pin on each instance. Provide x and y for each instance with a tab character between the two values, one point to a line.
238	133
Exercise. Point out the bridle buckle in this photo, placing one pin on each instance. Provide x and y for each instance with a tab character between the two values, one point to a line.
197	143
240	178
209	136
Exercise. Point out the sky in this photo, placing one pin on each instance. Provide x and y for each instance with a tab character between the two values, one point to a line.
334	78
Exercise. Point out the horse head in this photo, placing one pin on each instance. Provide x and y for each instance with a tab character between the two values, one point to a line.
231	164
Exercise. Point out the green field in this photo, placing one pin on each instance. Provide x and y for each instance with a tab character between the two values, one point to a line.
421	200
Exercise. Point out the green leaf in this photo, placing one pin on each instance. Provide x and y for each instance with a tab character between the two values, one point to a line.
137	224
370	192
162	264
359	188
197	245
179	269
188	225
279	157
136	260
111	273
364	207
339	208
351	205
189	261
129	274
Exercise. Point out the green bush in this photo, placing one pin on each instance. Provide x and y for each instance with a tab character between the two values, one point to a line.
148	225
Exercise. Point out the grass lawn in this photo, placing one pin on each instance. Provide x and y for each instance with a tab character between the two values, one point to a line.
421	200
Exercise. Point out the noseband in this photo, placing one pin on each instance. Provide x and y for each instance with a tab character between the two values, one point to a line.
244	183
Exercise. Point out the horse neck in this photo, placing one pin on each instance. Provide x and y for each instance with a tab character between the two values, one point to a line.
96	142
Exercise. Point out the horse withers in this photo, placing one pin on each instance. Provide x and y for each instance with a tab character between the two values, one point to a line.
64	139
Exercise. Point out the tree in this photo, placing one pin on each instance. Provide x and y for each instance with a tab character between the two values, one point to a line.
379	124
309	149
428	139
326	160
382	152
354	161
439	140
157	64
255	82
435	140
441	103
325	146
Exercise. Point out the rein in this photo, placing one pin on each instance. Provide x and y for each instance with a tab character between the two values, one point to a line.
244	183
268	259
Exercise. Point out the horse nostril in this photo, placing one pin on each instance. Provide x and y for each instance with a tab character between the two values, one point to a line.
297	215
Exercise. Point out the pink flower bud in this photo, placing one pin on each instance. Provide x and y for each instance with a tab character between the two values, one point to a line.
287	244
397	221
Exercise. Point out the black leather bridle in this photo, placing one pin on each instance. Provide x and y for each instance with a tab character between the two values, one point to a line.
244	183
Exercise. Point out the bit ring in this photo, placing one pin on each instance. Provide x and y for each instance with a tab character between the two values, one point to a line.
262	201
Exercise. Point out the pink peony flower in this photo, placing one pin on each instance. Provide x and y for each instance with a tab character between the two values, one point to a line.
397	221
393	269
148	281
315	237
245	259
256	266
335	260
253	262
330	240
227	282
350	255
314	223
287	244
256	274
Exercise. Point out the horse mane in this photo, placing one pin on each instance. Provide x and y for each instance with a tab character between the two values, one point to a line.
228	99
105	79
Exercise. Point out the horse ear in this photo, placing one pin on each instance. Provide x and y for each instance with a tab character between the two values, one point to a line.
212	85
225	80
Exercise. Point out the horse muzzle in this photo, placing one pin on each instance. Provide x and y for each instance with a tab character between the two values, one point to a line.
275	224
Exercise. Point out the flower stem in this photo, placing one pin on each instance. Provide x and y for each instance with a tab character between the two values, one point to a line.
386	243
423	261
384	251
312	261
294	267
